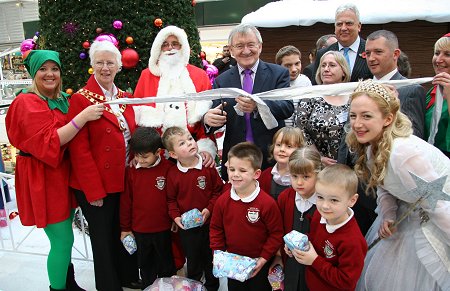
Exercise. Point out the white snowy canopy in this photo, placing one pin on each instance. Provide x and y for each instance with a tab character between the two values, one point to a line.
308	12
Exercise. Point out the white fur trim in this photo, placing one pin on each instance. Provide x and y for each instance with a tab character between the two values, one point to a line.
156	47
149	116
196	110
207	145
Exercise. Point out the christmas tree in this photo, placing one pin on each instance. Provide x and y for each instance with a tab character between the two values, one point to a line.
69	27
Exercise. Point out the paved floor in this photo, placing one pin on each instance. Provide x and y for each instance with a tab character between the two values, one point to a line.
23	267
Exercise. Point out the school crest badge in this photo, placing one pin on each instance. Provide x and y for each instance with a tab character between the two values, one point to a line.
253	214
328	250
160	182
201	182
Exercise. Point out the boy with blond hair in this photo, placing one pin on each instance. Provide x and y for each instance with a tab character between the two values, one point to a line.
337	248
192	185
246	220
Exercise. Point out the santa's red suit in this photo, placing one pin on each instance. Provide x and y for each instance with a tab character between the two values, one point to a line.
191	79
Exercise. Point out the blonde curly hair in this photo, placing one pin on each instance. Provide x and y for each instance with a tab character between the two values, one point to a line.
373	173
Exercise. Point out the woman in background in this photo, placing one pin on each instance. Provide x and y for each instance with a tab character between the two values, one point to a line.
438	133
322	119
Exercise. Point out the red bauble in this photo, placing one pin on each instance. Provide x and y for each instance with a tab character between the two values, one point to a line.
194	2
158	22
129	40
98	30
202	55
69	91
86	44
130	58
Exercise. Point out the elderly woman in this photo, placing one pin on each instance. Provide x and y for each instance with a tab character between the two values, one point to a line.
38	126
99	155
413	253
322	119
438	133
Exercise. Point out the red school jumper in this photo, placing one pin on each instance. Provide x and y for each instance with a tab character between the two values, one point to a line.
341	256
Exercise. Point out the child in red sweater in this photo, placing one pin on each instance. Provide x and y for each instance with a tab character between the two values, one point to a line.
143	206
297	205
337	248
246	220
192	185
286	140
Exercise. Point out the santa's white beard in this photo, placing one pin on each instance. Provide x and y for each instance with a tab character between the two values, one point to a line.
175	79
170	64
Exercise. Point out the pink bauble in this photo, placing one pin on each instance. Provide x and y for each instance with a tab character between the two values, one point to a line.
27	45
212	72
130	58
117	24
108	37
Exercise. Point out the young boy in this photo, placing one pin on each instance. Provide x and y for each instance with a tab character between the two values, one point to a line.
246	220
192	185
143	206
337	248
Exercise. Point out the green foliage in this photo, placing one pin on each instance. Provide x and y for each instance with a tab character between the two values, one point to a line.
65	25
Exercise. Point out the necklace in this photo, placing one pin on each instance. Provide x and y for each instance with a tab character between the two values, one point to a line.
95	98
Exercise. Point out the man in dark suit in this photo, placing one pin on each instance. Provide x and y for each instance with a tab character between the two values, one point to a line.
323	42
240	115
347	27
382	53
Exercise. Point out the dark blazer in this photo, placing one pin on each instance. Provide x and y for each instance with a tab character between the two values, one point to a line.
412	103
268	77
308	72
222	67
360	69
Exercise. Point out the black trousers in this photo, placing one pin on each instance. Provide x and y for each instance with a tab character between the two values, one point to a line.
257	283
155	259
113	265
195	243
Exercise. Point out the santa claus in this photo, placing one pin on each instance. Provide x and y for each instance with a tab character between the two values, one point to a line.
170	74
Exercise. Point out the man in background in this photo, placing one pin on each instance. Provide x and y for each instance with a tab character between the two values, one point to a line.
226	61
323	42
347	26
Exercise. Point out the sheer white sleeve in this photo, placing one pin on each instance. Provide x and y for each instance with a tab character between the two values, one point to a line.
412	159
386	204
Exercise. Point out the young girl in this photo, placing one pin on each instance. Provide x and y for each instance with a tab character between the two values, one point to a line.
414	254
275	179
297	206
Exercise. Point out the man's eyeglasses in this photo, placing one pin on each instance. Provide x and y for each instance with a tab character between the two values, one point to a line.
175	44
101	64
241	46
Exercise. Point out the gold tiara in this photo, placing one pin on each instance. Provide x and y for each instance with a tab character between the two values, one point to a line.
370	86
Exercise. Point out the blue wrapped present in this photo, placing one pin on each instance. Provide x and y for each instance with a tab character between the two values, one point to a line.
192	218
296	240
232	266
130	244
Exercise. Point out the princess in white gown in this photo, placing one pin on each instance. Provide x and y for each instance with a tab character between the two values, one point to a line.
416	254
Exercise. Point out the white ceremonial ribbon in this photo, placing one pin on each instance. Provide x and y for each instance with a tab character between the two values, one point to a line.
290	93
437	111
